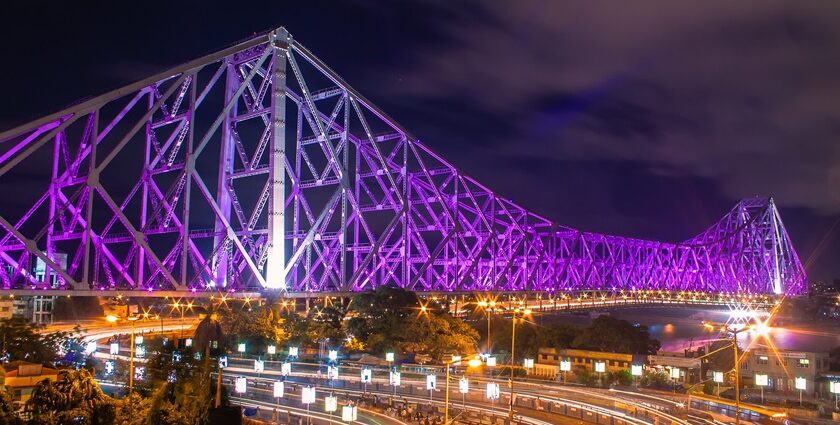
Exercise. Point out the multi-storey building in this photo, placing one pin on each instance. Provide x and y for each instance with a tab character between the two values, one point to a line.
782	368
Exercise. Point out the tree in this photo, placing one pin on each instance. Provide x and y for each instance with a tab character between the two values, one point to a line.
257	326
133	410
609	334
74	398
186	401
380	318
7	411
326	323
438	334
22	340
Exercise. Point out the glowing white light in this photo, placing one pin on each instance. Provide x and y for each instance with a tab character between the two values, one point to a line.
223	362
464	386
241	347
367	374
109	367
349	413
293	351
330	404
395	379
717	377
115	348
333	355
600	367
140	351
636	370
259	366
307	395
491	361
565	365
493	390
431	382
834	387
761	380
272	349
286	369
188	342
389	357
801	383
90	347
138	339
529	363
675	373
278	389
241	385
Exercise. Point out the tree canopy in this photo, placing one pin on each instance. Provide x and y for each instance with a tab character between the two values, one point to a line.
609	334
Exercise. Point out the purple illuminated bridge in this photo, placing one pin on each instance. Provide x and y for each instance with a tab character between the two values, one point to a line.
258	168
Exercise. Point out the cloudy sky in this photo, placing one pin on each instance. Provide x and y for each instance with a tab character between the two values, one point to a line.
647	119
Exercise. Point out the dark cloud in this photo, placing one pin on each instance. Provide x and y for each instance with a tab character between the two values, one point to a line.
739	93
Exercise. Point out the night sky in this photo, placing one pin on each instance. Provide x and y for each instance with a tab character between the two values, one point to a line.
647	119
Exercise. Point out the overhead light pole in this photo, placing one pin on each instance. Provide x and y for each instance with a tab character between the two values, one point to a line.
520	314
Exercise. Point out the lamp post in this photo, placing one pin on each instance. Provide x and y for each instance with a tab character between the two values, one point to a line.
736	361
762	381
488	306
131	319
565	366
801	385
516	314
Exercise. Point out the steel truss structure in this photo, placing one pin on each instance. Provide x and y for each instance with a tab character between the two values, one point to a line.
259	168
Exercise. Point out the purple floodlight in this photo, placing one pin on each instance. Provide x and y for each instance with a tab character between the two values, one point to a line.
259	167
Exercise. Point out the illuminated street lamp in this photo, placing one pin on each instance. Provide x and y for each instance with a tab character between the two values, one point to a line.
279	388
565	366
349	413
600	368
834	387
330	404
367	376
675	375
464	388
717	376
241	385
801	385
286	369
293	351
761	380
241	347
488	306
307	397
333	355
131	319
394	380
516	314
528	363
272	349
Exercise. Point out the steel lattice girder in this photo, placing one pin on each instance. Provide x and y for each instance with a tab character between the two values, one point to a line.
258	166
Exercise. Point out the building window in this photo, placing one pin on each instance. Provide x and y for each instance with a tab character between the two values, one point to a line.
762	360
804	363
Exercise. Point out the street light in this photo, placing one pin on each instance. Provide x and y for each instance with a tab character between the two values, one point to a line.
737	362
131	319
520	314
565	366
488	307
801	385
761	380
834	387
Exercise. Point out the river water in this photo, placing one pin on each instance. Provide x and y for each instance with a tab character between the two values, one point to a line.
681	328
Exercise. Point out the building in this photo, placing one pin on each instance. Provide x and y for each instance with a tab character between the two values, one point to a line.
7	309
782	368
22	379
548	361
687	367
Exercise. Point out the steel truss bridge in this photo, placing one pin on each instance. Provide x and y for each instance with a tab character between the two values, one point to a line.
258	168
